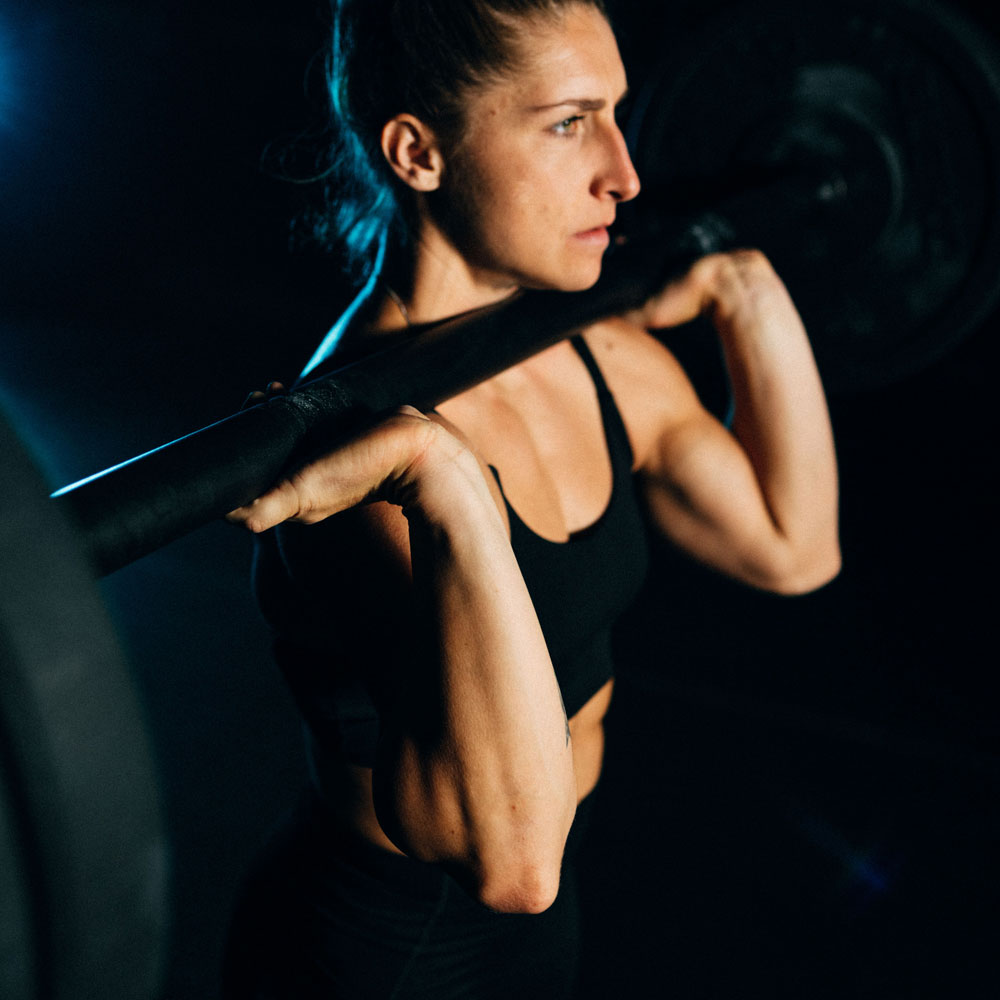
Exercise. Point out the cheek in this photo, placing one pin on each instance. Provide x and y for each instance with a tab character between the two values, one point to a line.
538	206
511	208
522	184
513	218
535	213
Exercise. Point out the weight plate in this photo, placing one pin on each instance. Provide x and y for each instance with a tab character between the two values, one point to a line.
895	107
18	958
82	891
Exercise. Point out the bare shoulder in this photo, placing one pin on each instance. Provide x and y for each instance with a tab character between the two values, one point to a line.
651	389
627	351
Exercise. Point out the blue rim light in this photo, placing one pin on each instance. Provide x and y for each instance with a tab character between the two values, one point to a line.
8	74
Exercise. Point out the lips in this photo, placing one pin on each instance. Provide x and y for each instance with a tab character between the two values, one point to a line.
598	232
597	236
601	225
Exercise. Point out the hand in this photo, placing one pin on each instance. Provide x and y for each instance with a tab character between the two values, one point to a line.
384	463
255	397
730	288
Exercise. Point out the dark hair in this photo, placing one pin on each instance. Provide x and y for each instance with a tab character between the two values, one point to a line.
417	56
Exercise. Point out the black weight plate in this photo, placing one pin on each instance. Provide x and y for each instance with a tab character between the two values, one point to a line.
897	104
82	892
18	956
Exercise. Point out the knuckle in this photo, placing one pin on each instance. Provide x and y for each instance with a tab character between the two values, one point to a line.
424	437
428	442
410	411
732	263
752	262
741	271
706	267
717	270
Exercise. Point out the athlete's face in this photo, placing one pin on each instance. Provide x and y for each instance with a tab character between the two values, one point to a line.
542	164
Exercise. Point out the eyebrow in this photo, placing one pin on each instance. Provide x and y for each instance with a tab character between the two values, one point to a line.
583	103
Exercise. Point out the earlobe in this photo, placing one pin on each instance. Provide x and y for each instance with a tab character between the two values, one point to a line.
410	148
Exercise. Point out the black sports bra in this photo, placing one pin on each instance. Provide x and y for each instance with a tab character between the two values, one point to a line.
578	587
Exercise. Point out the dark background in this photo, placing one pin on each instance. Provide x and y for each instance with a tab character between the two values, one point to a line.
804	793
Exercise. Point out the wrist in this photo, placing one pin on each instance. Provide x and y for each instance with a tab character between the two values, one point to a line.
443	482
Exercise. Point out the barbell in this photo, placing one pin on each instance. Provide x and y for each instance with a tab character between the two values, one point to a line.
862	155
858	144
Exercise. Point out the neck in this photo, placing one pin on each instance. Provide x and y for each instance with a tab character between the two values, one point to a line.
439	283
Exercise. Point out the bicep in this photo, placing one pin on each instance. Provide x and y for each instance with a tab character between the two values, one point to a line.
700	485
703	494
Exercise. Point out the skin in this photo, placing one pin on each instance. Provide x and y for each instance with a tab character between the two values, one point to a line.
475	769
536	172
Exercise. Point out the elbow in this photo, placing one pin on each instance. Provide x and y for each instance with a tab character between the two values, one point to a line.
519	868
807	582
523	899
505	853
504	877
512	879
803	574
528	886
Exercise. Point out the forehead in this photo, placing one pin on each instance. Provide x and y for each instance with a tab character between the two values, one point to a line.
572	57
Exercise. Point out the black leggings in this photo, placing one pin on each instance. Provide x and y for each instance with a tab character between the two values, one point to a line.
321	916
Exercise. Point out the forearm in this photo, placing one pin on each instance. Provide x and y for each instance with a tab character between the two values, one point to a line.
475	769
760	501
780	413
480	775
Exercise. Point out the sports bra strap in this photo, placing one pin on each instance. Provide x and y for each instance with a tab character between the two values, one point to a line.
614	426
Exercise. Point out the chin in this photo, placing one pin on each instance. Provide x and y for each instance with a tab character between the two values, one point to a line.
582	278
569	279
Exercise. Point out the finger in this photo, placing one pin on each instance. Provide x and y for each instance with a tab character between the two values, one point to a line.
349	475
279	504
253	399
680	301
411	411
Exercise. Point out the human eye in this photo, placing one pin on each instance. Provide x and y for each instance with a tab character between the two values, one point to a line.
568	126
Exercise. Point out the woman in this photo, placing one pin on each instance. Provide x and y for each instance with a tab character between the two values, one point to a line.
432	630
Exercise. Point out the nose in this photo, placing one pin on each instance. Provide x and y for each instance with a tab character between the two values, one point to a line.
618	179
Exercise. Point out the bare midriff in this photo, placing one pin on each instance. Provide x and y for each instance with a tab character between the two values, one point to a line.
347	788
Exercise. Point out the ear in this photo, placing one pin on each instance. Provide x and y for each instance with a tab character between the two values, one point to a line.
410	147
